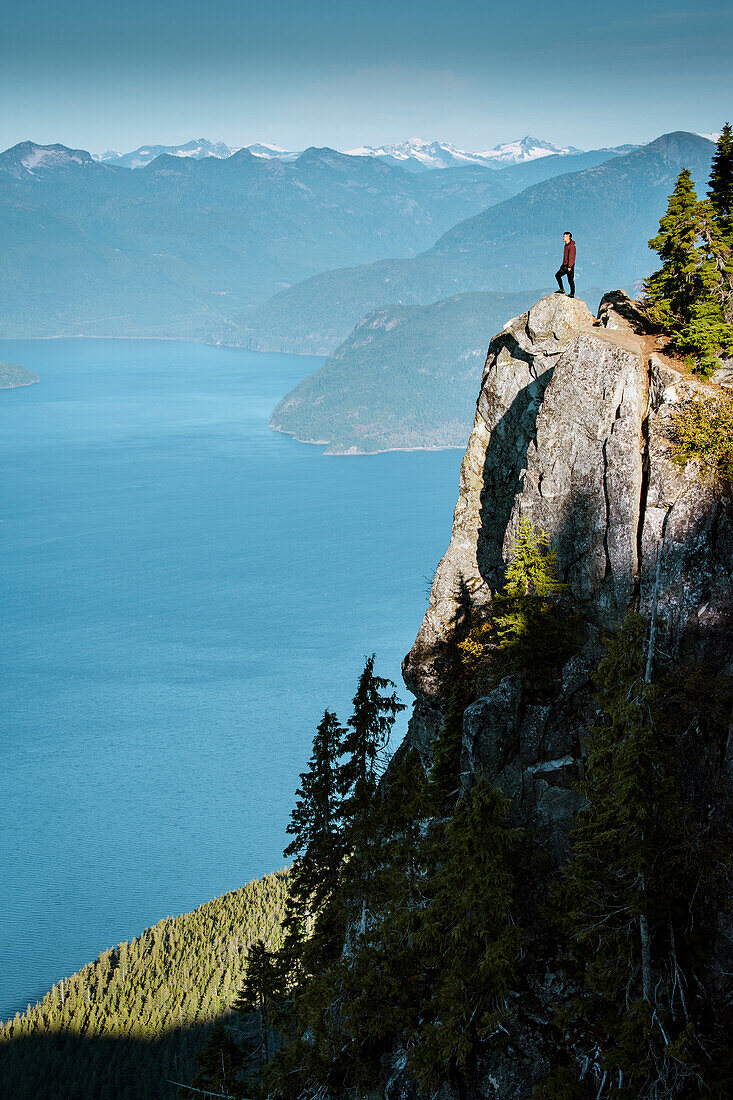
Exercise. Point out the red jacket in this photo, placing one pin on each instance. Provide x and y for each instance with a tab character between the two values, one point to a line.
568	256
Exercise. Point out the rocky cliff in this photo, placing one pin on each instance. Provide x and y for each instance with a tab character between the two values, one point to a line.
572	430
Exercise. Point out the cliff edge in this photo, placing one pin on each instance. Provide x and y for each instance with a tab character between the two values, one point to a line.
572	430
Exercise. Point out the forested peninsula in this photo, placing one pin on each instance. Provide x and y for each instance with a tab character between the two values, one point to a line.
13	375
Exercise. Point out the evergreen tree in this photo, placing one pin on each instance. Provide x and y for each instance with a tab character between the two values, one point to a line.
363	746
720	189
373	996
219	1063
318	850
260	993
625	895
527	630
465	936
672	291
691	296
365	741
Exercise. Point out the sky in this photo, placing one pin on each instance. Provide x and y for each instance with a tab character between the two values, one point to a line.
339	73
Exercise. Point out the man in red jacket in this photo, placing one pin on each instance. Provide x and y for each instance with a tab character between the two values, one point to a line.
568	265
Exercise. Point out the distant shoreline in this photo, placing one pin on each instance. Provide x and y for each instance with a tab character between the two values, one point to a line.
352	452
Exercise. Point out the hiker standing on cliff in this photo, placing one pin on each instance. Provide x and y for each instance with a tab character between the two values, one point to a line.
568	265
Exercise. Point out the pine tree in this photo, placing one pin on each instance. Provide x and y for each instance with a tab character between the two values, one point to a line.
625	894
365	741
672	291
691	296
260	993
363	746
527	629
378	988
720	189
219	1063
322	1059
318	850
465	937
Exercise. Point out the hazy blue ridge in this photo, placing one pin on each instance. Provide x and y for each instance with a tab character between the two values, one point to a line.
180	246
406	377
13	375
612	209
516	177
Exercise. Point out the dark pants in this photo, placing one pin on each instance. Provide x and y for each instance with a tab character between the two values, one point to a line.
570	272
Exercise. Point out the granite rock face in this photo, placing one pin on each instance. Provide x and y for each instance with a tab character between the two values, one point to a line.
572	431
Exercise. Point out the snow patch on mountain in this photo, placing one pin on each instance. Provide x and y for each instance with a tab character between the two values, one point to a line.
271	152
198	149
27	157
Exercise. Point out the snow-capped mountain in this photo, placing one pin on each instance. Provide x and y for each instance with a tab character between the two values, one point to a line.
524	149
138	158
197	149
425	154
271	152
418	153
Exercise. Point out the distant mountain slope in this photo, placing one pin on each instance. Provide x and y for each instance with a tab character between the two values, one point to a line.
612	209
178	247
138	158
516	177
132	1020
405	377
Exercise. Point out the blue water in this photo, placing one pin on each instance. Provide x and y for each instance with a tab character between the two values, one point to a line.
183	593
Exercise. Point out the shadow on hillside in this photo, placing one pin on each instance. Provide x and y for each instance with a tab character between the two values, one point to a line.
64	1066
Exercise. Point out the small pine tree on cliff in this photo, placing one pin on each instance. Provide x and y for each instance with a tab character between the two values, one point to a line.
526	630
362	748
318	850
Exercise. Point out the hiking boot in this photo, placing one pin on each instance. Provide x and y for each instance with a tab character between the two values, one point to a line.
559	291
571	295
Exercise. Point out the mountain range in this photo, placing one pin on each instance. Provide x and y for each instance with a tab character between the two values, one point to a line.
418	154
291	255
415	154
613	209
180	246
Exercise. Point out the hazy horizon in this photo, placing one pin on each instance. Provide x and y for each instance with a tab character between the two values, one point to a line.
322	74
